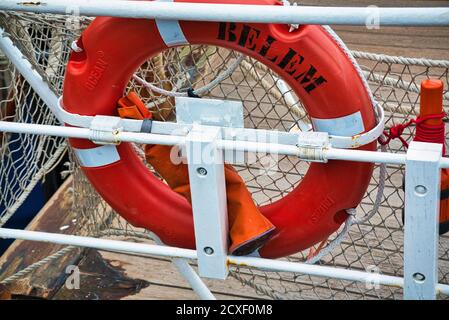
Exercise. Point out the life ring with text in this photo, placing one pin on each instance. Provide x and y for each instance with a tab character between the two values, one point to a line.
308	59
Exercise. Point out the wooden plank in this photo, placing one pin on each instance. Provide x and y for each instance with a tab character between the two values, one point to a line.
161	272
99	280
110	275
5	293
417	32
55	216
403	41
429	42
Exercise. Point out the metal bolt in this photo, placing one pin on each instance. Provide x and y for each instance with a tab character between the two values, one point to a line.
201	171
419	277
420	190
209	251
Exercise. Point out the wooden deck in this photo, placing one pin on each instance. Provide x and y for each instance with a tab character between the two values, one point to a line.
108	275
416	42
104	275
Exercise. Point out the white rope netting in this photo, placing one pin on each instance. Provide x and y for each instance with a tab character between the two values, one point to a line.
26	159
370	240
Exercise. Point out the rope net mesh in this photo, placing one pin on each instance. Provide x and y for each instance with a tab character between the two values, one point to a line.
375	246
25	159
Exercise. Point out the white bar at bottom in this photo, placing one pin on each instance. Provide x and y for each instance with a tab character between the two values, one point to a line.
165	251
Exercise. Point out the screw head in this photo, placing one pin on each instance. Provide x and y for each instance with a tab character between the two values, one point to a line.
209	251
201	171
420	190
419	277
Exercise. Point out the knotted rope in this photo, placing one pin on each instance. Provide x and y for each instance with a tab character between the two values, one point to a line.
424	132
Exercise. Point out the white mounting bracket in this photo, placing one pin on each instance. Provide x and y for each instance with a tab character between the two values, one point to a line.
207	178
311	146
209	112
422	208
213	112
208	192
104	129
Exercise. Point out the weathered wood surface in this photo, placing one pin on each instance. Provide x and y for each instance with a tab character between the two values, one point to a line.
429	42
165	282
55	216
103	275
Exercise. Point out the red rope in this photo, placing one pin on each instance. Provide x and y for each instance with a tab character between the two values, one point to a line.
424	132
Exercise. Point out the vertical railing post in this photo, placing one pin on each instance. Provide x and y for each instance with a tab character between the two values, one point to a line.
422	206
208	192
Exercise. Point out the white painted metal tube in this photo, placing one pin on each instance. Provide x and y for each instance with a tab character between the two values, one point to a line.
193	279
324	271
238	13
444	163
165	251
310	269
85	133
31	75
187	272
100	244
240	145
261	147
364	156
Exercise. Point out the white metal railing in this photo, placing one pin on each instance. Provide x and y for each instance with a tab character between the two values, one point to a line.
237	12
423	161
163	251
328	153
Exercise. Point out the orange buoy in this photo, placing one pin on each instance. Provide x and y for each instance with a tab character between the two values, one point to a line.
431	103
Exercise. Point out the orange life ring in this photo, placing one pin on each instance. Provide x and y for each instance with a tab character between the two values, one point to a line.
308	59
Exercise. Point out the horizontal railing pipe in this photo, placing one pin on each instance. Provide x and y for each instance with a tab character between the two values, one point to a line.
437	16
173	252
329	153
100	244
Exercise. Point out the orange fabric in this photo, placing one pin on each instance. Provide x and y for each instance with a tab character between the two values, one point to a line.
130	113
132	107
246	223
